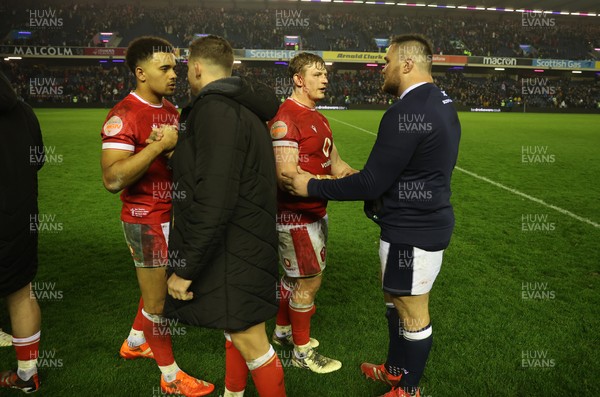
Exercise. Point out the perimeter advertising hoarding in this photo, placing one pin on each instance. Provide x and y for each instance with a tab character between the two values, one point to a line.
33	51
564	64
328	56
452	59
105	51
378	57
499	61
274	55
351	56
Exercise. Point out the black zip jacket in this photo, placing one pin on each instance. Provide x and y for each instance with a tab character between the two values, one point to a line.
223	234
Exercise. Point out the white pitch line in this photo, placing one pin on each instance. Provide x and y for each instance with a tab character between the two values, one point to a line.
501	186
534	199
353	126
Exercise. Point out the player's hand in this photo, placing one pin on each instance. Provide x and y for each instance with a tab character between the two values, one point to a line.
169	137
155	135
347	172
177	287
166	136
297	184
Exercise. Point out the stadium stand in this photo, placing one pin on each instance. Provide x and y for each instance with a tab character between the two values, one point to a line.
106	85
320	28
497	35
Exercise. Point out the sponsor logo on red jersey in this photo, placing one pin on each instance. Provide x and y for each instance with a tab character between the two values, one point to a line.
298	127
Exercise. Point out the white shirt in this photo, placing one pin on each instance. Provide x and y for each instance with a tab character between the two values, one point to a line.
412	87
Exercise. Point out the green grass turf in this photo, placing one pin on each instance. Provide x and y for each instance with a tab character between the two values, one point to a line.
482	324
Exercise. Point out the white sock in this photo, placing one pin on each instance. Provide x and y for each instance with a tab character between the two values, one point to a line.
301	307
136	338
229	393
26	369
283	330
259	362
169	372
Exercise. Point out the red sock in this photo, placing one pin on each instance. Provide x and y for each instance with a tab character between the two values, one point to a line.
139	317
301	324
268	379
27	348
283	316
158	337
236	370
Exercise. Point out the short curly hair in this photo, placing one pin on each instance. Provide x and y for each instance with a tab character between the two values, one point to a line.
142	48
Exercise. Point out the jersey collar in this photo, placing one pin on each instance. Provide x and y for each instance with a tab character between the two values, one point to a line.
301	105
139	98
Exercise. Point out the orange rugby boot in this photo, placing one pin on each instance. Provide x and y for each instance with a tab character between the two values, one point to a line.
378	373
141	351
186	385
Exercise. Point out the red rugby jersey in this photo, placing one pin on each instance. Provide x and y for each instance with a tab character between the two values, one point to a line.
127	126
298	126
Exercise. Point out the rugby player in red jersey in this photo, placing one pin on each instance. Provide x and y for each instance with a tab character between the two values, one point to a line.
139	171
302	137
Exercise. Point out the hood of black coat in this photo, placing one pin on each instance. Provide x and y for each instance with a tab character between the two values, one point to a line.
256	96
8	97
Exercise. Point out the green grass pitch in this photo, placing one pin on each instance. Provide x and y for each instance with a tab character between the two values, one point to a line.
514	309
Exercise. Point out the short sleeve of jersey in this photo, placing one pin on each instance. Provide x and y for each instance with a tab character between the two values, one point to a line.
118	131
284	132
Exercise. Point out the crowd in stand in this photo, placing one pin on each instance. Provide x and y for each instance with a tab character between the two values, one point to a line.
505	35
73	25
91	84
109	83
504	91
103	85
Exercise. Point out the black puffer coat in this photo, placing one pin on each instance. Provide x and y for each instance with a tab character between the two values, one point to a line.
223	234
21	156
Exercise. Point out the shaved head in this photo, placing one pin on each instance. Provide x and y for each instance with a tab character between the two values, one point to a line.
414	47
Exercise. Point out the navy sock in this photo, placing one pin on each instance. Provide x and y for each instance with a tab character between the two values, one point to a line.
417	345
395	357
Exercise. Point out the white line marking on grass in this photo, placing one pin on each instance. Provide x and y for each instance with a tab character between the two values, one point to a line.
353	126
501	186
534	199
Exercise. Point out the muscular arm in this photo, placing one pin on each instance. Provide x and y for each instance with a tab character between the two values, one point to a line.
122	168
286	160
339	168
